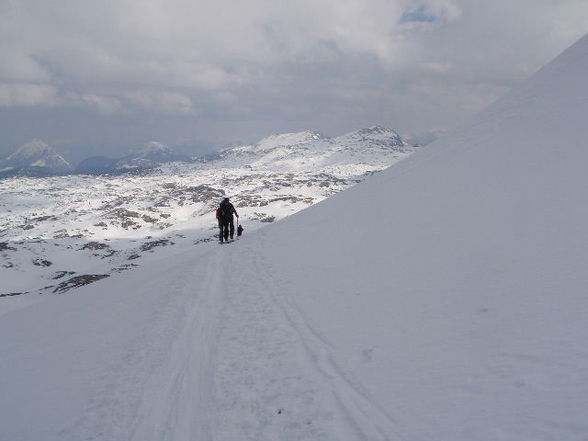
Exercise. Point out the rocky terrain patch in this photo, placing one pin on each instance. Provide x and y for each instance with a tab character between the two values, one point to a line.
77	281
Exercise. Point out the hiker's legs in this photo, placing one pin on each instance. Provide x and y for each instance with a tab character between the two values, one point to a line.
220	230
226	229
232	225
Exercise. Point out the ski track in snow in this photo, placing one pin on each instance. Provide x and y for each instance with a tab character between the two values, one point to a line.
181	410
261	391
230	359
160	390
278	378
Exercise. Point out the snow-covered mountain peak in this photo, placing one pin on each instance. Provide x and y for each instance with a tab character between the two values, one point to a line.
31	149
152	148
376	130
36	154
370	148
287	140
376	136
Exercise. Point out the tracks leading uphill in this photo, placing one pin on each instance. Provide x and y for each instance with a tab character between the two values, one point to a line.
160	385
177	403
277	377
228	356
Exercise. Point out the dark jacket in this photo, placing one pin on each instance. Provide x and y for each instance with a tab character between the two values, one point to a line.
227	209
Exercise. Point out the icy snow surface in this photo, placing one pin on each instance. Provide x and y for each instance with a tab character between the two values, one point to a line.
444	299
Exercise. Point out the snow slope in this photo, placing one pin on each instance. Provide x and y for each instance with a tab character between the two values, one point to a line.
443	299
469	323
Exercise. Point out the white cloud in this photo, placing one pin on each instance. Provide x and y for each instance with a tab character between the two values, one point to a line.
27	95
101	103
161	101
268	65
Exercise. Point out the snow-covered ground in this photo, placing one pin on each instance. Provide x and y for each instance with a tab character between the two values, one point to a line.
442	299
57	231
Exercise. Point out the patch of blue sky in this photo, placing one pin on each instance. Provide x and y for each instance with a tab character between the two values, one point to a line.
418	15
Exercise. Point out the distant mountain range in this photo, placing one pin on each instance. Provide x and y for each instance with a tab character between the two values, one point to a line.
145	158
37	158
288	151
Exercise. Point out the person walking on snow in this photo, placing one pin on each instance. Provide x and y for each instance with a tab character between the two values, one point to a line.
224	214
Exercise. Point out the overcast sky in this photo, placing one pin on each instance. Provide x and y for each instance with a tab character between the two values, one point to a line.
92	77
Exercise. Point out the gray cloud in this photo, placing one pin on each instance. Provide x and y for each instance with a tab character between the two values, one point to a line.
105	75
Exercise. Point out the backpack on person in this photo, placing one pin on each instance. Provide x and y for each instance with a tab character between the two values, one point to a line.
226	210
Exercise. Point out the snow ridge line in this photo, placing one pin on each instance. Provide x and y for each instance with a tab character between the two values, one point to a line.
366	417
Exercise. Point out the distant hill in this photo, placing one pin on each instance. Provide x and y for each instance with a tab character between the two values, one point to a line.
147	157
303	151
35	158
